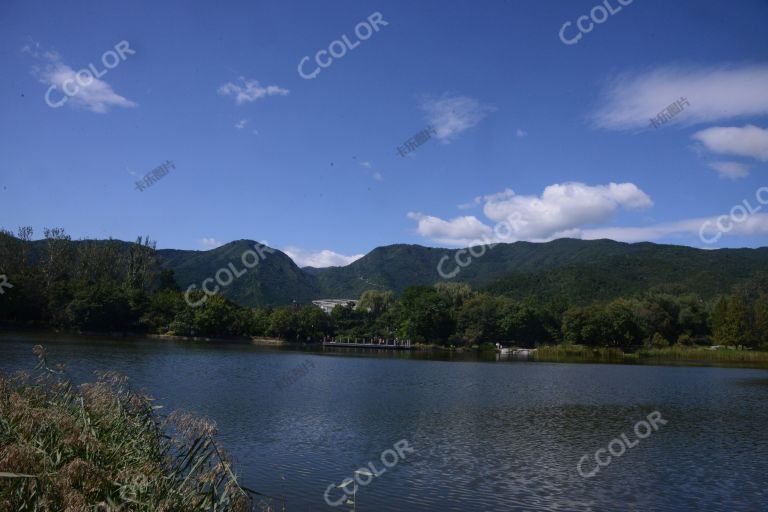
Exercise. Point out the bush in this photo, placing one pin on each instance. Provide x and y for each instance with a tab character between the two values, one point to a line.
102	447
658	341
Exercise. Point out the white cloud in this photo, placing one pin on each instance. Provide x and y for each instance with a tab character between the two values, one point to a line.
749	140
562	210
250	91
451	115
33	48
730	170
478	200
241	124
521	133
324	258
209	243
472	204
457	231
91	93
713	93
756	224
370	166
507	193
576	210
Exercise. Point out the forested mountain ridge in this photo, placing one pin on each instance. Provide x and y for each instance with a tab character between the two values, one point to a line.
707	275
599	293
579	271
275	280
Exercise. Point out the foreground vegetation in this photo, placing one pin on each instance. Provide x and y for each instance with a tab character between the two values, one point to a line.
107	286
102	446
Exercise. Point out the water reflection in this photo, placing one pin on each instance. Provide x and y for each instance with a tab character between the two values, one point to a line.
499	436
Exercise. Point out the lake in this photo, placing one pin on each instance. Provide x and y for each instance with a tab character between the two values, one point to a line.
485	436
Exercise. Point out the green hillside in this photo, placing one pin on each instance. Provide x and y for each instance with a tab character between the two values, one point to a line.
705	273
274	280
598	293
580	270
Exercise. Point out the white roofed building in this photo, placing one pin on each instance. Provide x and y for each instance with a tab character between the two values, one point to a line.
327	305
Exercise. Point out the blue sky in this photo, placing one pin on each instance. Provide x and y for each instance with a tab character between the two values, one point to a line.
542	138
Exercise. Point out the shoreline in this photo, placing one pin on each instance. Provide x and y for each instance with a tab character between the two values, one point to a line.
669	356
39	331
730	357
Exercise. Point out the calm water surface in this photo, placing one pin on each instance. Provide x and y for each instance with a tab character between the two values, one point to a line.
487	436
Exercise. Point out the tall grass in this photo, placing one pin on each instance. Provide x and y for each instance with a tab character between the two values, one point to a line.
678	353
577	352
103	447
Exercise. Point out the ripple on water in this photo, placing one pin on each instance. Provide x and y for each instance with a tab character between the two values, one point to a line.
487	436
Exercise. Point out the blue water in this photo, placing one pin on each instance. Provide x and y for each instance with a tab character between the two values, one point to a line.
487	436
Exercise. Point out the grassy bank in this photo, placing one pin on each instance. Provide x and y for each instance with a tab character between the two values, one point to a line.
724	355
657	355
103	447
578	352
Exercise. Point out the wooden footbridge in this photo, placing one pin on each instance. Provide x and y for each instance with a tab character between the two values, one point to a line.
370	343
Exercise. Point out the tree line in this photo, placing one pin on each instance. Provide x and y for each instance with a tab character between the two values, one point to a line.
109	286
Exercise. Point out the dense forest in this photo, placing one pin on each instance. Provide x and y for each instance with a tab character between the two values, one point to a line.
111	286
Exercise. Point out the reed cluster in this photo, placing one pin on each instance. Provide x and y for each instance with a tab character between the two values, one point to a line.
104	447
566	352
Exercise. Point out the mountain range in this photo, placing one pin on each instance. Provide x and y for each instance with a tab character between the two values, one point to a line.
581	271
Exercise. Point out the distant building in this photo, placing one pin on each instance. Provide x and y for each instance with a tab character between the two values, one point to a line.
327	305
